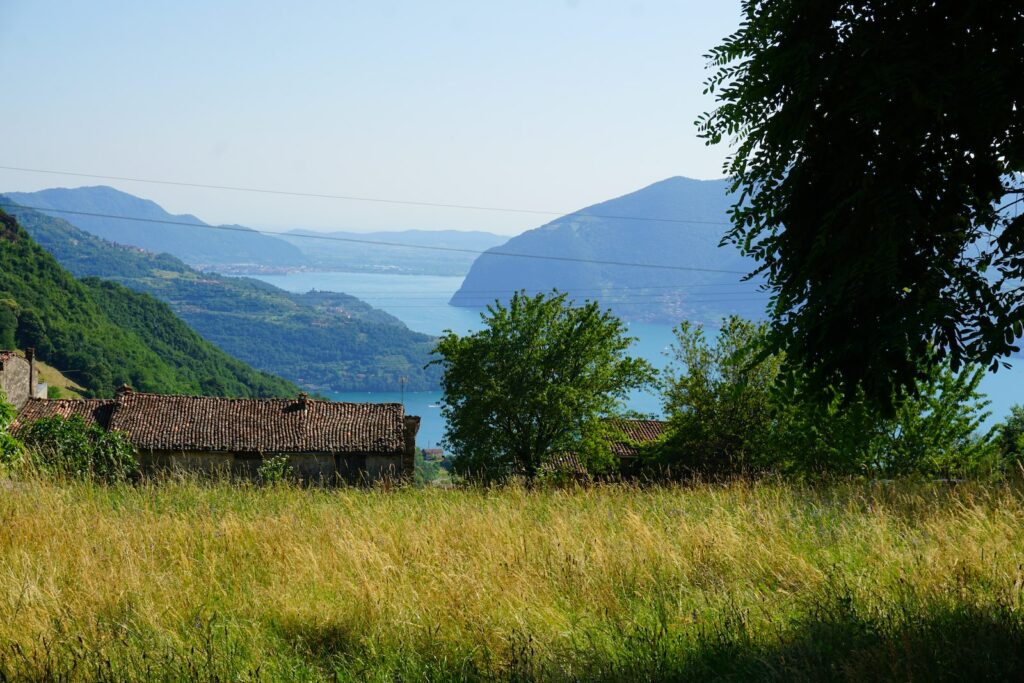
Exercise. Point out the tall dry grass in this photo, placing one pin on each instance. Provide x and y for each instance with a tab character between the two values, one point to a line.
191	580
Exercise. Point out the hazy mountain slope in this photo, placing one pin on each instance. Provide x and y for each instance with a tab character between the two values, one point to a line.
358	256
101	335
197	246
322	340
608	232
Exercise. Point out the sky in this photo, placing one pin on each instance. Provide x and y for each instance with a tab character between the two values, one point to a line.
545	105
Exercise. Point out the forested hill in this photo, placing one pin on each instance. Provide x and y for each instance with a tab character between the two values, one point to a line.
689	219
322	340
196	245
102	335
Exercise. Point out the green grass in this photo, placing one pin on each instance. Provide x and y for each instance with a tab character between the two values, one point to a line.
746	581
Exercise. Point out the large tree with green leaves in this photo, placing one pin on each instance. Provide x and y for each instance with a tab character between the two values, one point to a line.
536	381
878	152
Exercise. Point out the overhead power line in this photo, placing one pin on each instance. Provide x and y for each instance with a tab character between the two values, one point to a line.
355	198
335	238
407	293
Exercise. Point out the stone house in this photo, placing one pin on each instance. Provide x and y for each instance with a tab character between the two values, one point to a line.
323	441
634	435
18	379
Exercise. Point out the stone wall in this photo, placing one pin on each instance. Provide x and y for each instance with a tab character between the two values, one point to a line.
14	378
308	468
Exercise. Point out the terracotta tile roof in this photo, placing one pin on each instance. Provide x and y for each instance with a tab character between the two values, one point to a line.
158	422
564	463
5	355
93	411
636	431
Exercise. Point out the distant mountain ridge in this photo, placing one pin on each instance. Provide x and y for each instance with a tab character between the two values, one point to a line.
200	247
321	340
242	250
427	256
677	222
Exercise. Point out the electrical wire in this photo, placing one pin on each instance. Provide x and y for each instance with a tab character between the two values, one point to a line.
355	198
333	238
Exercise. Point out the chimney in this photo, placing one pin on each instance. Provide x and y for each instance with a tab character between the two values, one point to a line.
30	356
122	390
303	400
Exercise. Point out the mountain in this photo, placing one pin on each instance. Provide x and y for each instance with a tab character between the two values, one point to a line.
321	340
350	251
101	335
686	221
239	248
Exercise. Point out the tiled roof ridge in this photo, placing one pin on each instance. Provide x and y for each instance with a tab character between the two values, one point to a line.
300	424
267	399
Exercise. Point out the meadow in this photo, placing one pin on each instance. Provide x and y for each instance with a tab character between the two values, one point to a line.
184	579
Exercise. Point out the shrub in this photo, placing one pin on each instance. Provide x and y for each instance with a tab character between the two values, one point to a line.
274	470
10	448
71	447
732	410
719	400
426	471
1010	437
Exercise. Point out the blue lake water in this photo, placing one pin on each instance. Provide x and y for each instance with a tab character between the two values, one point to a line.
421	302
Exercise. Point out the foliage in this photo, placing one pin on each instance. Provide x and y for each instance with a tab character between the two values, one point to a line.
537	380
732	409
8	323
188	579
10	448
274	469
72	447
720	404
426	471
1011	437
320	339
878	155
103	335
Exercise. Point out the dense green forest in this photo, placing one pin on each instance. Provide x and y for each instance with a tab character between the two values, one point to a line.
322	340
101	334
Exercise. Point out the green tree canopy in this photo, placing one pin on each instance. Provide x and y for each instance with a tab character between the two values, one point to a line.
537	380
879	147
732	410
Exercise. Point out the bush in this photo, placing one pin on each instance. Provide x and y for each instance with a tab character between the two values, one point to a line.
426	471
71	447
10	448
732	410
1010	438
274	470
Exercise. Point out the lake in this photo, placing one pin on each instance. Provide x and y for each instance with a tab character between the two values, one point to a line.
421	302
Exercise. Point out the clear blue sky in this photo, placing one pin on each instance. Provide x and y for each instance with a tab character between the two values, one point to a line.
540	104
